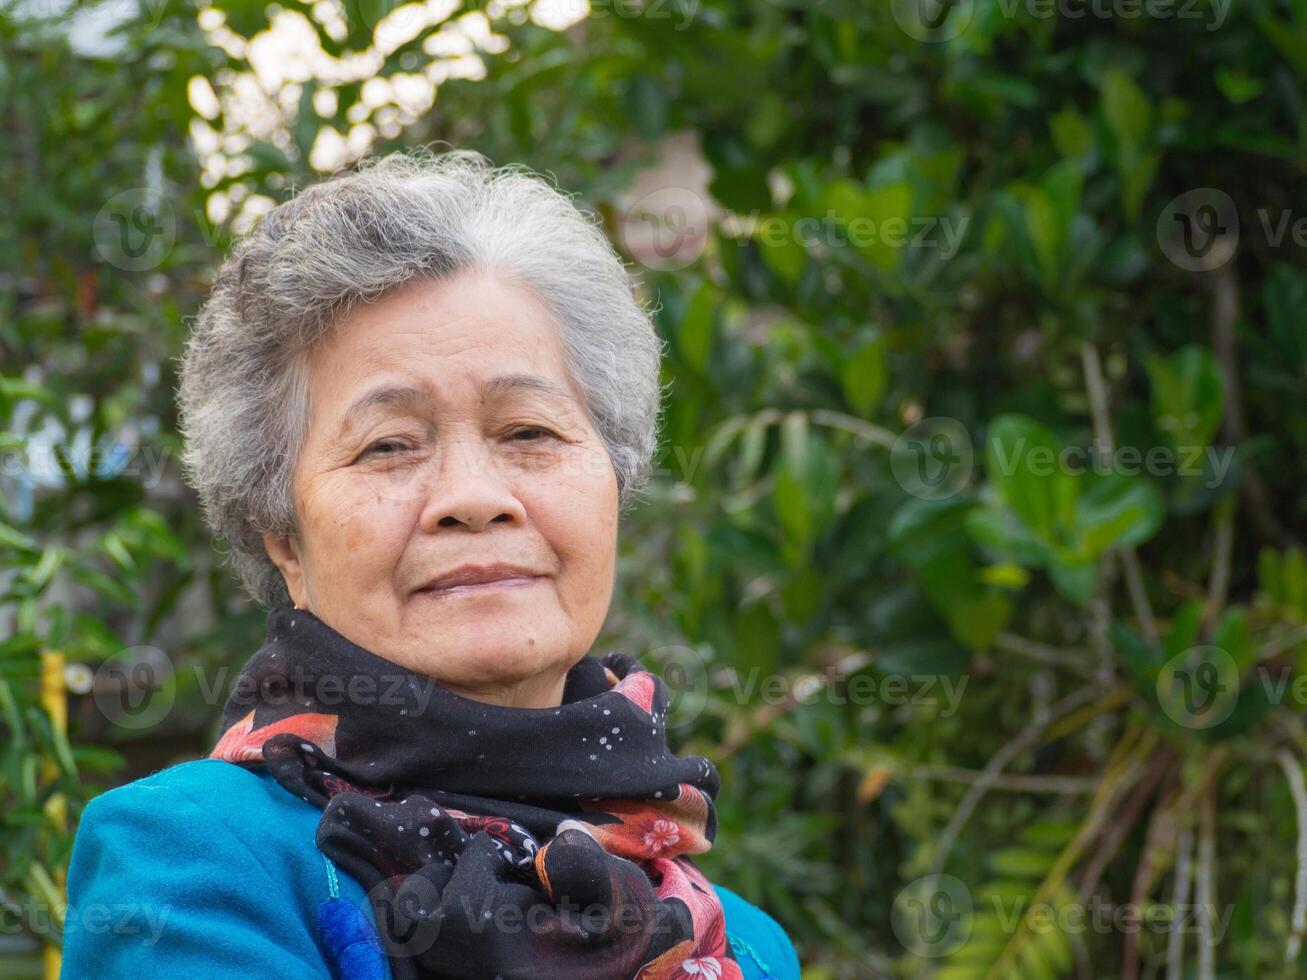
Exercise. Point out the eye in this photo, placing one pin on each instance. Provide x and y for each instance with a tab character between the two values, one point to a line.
532	433
385	447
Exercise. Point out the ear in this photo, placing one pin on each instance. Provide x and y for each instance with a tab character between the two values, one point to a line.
284	552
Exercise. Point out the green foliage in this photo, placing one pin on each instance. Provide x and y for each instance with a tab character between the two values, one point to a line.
974	228
1042	513
1018	928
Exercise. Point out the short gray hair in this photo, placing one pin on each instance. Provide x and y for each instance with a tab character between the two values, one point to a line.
243	393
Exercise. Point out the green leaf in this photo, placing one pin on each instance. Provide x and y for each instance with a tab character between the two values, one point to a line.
106	585
1005	575
1024	464
876	222
13	538
1188	396
1183	634
1072	135
1000	531
783	252
1290	39
648	106
806	484
917	657
1074	579
1285	297
864	376
1116	511
1050	213
695	331
1231	635
49	563
114	547
978	619
1128	113
1237	85
1017	862
98	759
1142	662
1130	119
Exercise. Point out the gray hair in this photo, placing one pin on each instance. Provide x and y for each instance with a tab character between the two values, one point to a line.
243	393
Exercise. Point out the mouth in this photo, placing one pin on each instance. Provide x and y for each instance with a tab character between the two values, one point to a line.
480	588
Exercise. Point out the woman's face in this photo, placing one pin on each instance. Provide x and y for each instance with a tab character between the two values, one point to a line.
444	432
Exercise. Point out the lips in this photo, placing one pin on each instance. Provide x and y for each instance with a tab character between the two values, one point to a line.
479	578
499	585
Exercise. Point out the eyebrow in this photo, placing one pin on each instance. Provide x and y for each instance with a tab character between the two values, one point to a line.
495	388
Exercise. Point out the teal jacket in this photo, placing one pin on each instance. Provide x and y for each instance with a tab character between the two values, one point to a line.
209	871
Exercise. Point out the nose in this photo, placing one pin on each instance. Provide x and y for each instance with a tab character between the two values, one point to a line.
468	489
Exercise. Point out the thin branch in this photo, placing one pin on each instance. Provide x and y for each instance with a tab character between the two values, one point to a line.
1124	821
1205	885
1100	619
1159	837
1179	899
1130	759
1011	782
865	431
1001	759
1110	701
1134	582
1072	658
1096	388
1218	586
1282	643
1293	773
1225	314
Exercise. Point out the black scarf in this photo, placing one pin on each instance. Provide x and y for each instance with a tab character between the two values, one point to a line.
493	841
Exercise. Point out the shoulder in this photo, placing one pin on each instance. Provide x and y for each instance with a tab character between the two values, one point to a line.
202	782
760	944
211	812
222	808
219	865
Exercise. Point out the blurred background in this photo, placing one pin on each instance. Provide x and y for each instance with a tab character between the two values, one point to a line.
974	555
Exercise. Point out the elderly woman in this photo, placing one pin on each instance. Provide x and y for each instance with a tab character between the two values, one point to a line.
414	406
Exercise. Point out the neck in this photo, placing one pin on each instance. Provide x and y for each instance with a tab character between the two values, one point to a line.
539	691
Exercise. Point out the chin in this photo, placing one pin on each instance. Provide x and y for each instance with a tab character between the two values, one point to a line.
508	649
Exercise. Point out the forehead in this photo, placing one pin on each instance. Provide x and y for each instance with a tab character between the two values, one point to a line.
406	395
473	336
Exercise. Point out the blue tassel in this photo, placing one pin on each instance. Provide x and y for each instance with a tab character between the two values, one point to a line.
352	945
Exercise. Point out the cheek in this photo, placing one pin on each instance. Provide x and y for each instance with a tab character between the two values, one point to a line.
354	532
577	513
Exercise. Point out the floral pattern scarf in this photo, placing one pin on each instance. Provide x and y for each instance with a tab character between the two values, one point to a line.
493	841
